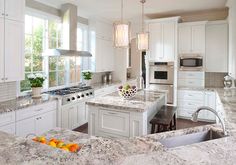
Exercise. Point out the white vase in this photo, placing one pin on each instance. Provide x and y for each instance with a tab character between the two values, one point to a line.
36	92
87	82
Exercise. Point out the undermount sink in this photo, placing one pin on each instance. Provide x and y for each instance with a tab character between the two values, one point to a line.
191	138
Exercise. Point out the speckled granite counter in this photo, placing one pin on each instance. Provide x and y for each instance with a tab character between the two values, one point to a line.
104	85
141	102
139	150
23	102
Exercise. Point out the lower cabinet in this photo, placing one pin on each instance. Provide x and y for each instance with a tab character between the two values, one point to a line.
74	116
189	101
36	125
10	128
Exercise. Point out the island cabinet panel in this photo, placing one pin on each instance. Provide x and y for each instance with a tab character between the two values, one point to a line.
92	120
10	128
114	122
138	124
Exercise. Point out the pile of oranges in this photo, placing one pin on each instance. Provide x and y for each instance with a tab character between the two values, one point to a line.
58	144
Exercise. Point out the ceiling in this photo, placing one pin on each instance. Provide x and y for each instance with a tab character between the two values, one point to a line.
110	9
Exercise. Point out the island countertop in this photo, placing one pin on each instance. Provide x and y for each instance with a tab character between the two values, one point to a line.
139	103
137	150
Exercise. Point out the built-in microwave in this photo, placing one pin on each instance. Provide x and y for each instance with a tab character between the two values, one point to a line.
191	63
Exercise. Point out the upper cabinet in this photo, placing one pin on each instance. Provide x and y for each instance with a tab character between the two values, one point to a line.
217	46
14	9
163	35
192	38
12	40
101	46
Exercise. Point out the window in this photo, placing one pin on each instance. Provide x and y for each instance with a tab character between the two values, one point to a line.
42	34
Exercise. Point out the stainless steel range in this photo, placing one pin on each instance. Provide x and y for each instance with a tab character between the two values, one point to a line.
73	94
72	111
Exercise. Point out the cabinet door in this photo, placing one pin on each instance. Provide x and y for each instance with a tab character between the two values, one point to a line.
11	128
169	41
108	58
198	39
2	50
217	48
45	122
99	55
25	127
15	9
82	114
14	46
69	117
1	9
185	39
156	42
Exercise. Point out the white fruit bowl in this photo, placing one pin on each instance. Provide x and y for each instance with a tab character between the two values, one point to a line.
127	93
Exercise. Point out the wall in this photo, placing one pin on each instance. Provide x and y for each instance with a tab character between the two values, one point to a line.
7	91
215	80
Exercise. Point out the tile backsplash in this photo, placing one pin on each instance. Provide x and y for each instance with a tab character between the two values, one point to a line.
215	80
8	91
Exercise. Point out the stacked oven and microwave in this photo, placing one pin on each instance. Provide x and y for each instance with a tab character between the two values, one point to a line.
162	73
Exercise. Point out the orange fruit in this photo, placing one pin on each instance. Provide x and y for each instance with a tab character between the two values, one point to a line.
43	141
60	145
65	148
41	138
73	149
53	144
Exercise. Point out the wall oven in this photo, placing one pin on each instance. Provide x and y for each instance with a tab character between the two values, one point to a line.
162	78
161	73
191	63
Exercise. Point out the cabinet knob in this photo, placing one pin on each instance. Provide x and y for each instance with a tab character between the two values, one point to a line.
6	14
2	78
3	14
6	78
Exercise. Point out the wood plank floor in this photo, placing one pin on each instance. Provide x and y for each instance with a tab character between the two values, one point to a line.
181	124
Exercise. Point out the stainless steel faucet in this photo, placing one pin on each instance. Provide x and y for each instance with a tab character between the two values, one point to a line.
195	116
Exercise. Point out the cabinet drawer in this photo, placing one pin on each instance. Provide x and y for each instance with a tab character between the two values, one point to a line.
191	83
10	128
191	95
35	110
7	118
190	104
114	122
191	75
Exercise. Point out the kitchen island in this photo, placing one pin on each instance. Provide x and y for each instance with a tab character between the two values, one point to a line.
113	116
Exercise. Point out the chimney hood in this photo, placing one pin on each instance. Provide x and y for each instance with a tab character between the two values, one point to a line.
64	52
69	22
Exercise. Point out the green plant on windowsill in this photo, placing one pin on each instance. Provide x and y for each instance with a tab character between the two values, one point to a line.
36	80
87	75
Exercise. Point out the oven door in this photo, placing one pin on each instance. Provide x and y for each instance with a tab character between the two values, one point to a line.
161	74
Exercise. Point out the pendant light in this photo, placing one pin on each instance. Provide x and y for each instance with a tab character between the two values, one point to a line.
143	37
121	31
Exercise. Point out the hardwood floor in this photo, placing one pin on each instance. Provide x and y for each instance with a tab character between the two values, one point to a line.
181	124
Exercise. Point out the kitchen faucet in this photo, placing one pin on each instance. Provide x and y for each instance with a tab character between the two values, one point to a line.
195	116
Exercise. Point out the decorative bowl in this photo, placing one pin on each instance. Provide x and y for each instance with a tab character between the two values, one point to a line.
127	91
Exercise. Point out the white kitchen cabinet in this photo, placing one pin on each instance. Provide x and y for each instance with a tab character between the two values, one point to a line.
10	128
217	46
15	10
189	101
191	79
82	113
162	39
45	122
14	69
70	117
192	38
2	51
25	127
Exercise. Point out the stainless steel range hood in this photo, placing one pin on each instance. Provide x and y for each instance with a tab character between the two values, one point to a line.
69	21
63	52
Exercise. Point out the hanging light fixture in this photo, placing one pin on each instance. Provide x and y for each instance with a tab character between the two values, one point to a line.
143	37
121	31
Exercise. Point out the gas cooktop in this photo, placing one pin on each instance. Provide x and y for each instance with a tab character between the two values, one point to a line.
69	90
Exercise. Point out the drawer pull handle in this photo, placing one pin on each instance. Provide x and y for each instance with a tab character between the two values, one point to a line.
39	110
112	113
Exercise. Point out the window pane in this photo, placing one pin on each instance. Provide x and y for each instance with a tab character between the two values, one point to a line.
37	63
25	84
72	76
28	63
61	78
28	43
52	43
52	63
61	63
52	79
28	24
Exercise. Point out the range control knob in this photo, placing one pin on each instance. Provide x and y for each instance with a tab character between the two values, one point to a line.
87	94
73	98
68	99
78	97
91	93
82	95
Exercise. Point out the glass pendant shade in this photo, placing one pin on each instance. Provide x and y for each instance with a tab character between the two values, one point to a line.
121	34
143	41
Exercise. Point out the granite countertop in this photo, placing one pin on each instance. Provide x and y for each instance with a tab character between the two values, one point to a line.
139	103
97	86
23	102
137	150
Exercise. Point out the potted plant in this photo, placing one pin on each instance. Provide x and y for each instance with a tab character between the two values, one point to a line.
87	76
36	81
